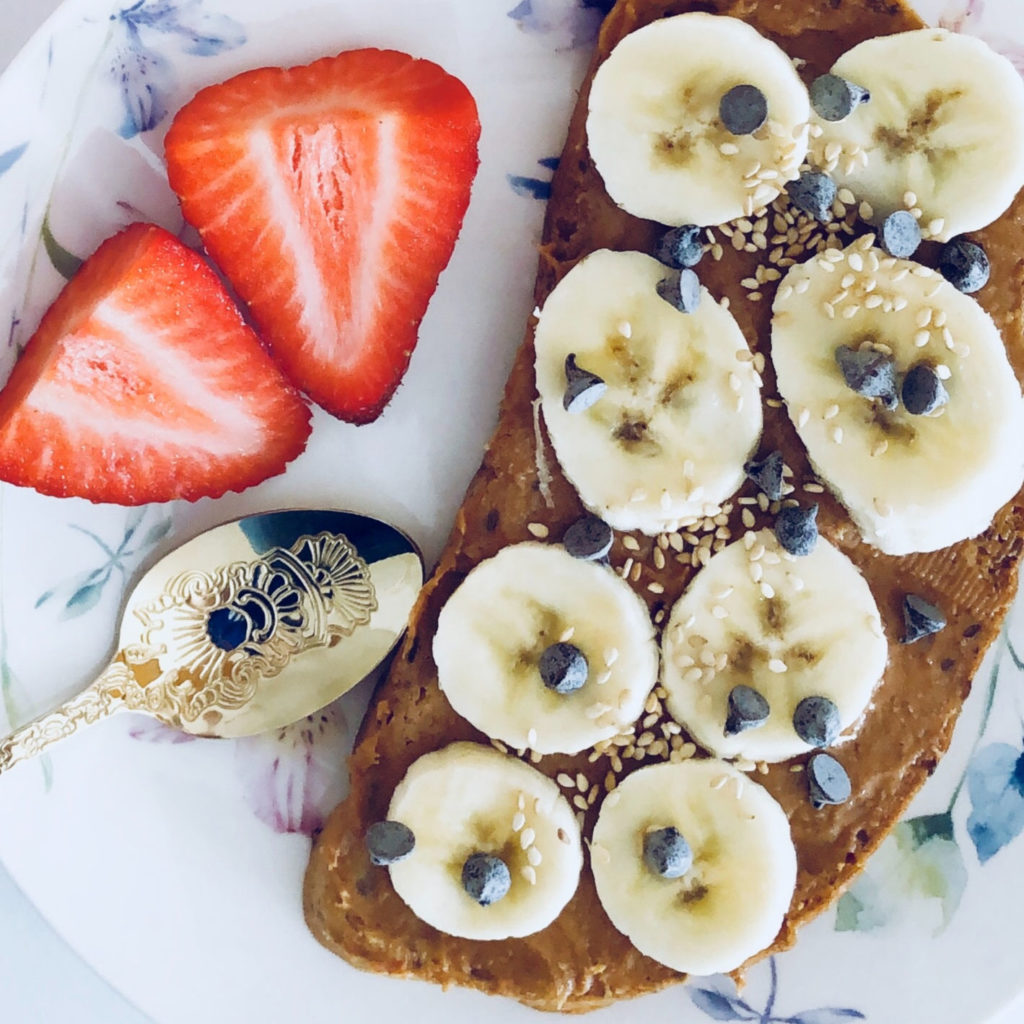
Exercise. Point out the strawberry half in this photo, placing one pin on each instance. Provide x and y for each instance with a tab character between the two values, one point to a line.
143	383
331	196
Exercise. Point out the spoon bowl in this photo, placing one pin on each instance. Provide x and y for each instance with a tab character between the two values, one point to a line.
249	626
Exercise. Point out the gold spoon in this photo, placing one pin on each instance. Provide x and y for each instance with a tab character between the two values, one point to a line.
249	626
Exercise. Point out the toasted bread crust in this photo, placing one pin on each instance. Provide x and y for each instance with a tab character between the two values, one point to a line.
581	962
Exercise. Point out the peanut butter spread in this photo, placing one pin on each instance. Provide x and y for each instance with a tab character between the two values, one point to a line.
580	962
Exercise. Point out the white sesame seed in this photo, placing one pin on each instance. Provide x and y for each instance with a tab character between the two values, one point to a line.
831	412
529	873
531	737
776	665
539	530
866	211
565	780
909	199
880	448
728	149
518	821
534	856
923	317
567	634
939	319
921	338
829	310
943	372
626	567
603	678
837	435
767	591
851	311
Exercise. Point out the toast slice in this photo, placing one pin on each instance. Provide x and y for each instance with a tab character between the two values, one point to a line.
580	962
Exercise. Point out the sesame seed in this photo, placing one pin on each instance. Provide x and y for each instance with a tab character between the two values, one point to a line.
529	873
518	821
866	211
796	768
943	372
534	856
935	227
564	780
880	448
611	654
803	417
909	199
728	149
580	802
567	634
873	301
837	435
719	781
900	303
831	412
755	296
656	587
626	329
767	591
659	558
947	337
499	746
921	338
630	543
851	311
603	678
776	665
829	309
814	488
634	573
539	530
626	566
717	252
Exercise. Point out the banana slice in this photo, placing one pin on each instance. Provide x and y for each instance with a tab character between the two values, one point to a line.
494	631
654	129
731	902
789	627
910	482
681	412
945	123
468	799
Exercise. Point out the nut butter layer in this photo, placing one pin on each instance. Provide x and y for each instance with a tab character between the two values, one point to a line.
580	962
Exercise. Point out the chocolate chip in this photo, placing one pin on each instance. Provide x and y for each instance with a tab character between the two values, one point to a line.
834	98
747	710
796	529
681	247
827	781
388	842
964	264
920	619
813	193
767	474
588	538
743	109
486	878
563	667
816	721
667	853
681	290
922	391
869	372
582	388
900	235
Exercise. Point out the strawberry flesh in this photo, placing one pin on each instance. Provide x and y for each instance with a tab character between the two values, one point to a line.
331	196
143	383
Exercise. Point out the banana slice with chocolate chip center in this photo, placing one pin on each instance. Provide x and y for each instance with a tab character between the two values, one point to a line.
680	412
497	852
792	628
944	124
696	119
695	864
901	390
542	650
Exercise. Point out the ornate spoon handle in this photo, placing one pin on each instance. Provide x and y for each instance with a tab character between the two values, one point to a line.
97	701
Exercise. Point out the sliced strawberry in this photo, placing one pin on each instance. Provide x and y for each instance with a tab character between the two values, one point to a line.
331	196
143	383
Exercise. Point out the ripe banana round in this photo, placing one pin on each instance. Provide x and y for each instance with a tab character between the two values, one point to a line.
731	903
466	799
681	412
789	627
910	482
493	631
654	129
945	122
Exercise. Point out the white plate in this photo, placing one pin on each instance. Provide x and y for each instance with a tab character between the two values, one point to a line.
174	868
